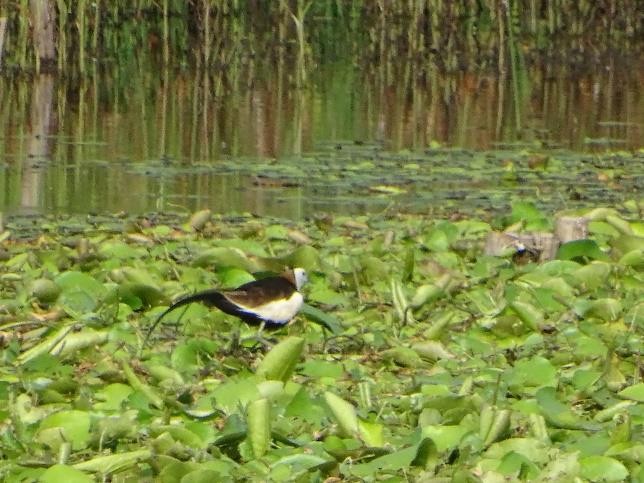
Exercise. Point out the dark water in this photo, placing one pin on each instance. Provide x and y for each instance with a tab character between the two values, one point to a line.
161	141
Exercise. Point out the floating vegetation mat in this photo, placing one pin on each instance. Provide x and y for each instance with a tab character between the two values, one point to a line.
358	178
416	357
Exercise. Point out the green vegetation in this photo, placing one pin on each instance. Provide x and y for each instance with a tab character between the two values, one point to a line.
220	34
440	361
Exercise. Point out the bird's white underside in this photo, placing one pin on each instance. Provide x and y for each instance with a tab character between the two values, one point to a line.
277	311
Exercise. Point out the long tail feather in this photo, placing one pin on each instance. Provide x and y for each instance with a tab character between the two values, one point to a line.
208	297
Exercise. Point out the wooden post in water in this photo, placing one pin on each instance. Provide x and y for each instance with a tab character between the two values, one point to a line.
42	21
39	144
3	26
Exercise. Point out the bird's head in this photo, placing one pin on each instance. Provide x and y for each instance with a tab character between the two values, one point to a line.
300	277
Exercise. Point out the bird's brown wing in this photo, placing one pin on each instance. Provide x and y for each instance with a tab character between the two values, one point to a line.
255	294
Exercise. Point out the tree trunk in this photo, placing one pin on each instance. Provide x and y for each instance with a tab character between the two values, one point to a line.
42	20
3	26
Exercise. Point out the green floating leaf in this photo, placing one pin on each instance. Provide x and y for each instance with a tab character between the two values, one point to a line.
258	419
280	362
304	256
591	276
421	454
322	318
531	373
77	281
530	315
530	215
68	474
371	433
533	449
403	356
634	392
606	309
603	468
225	257
65	426
581	251
344	414
557	413
106	465
112	396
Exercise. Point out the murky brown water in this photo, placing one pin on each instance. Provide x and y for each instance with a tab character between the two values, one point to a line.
152	140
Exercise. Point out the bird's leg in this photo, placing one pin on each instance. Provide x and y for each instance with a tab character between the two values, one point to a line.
259	338
235	341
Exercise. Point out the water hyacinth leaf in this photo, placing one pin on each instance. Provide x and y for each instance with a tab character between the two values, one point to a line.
77	341
138	295
233	277
484	302
47	345
558	414
591	276
422	454
203	475
515	464
78	302
400	302
533	449
138	385
303	461
114	463
606	309
324	319
581	251
72	281
532	373
321	293
371	433
68	474
445	436
530	215
182	435
235	392
225	257
424	294
539	428
499	427
432	350
120	250
634	392
111	397
611	411
280	362
65	426
304	256
530	315
635	316
258	420
343	413
634	258
402	356
603	468
164	373
318	369
627	243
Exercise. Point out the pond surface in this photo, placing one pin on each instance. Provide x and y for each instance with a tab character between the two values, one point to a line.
349	141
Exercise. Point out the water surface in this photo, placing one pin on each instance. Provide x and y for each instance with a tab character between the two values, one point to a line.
160	140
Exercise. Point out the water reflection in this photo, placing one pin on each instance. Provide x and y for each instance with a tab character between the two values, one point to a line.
117	142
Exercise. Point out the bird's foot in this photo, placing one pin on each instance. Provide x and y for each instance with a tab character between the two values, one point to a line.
257	340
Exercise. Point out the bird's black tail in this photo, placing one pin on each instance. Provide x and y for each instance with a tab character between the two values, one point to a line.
209	297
